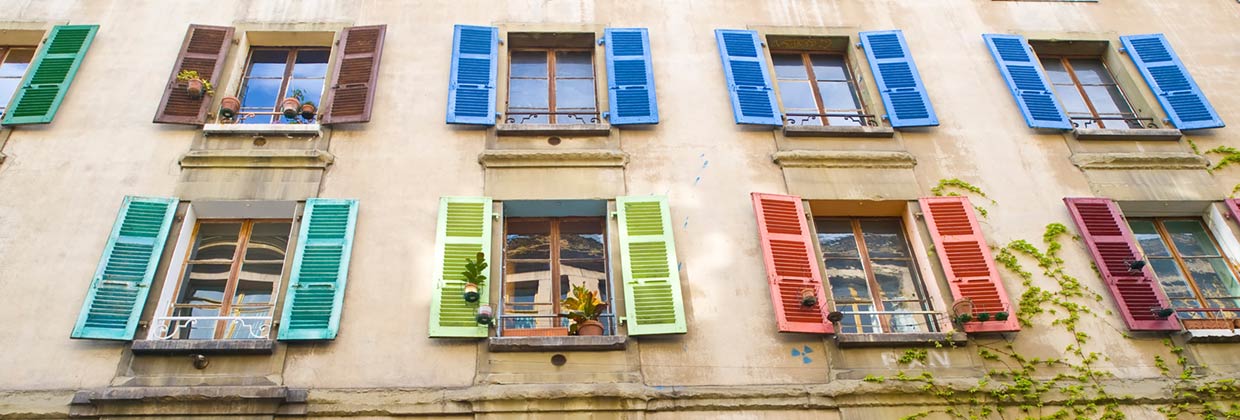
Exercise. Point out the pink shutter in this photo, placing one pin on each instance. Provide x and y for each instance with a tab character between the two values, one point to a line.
1111	244
203	51
351	94
791	263
1233	204
970	269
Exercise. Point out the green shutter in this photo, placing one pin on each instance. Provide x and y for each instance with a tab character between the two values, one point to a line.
123	278
648	258
320	270
463	230
50	74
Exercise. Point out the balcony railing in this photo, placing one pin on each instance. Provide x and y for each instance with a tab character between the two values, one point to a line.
235	327
800	118
575	117
266	118
512	325
1089	121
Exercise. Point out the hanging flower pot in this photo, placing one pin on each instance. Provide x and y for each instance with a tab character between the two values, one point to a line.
590	327
485	315
290	107
308	110
229	106
195	88
471	293
808	298
1001	316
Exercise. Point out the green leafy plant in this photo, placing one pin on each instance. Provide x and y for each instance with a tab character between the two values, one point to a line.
582	305
187	75
474	269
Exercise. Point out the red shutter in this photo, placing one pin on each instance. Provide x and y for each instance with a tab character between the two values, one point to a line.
204	50
970	269
1113	247
791	263
352	91
1233	204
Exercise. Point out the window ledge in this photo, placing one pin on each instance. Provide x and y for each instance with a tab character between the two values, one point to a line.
203	346
1147	160
899	339
553	158
177	401
564	343
843	159
269	129
837	131
1130	134
601	129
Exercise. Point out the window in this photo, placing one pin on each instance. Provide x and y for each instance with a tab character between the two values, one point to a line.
870	271
13	64
552	86
273	74
230	280
544	259
817	89
1193	273
1088	93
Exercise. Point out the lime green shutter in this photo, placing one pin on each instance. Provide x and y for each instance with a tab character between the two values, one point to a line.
320	270
50	74
648	259
123	279
463	230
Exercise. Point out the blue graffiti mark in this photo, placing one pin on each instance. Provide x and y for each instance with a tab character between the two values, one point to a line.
807	350
686	225
697	180
806	360
704	163
796	352
803	354
679	265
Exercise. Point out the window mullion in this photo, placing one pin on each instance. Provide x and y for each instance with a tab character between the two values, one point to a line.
1179	260
813	85
551	86
230	285
555	271
870	278
1084	95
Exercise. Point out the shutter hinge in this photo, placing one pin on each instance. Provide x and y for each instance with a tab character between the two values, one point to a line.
858	45
614	215
495	216
622	321
1123	50
606	115
500	40
600	41
886	117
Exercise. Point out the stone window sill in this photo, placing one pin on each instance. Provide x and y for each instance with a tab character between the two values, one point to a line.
1130	134
203	346
899	339
600	129
263	129
837	131
561	343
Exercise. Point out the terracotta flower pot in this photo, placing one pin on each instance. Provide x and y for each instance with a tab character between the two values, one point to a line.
471	293
590	327
289	107
808	298
308	110
195	88
229	106
485	315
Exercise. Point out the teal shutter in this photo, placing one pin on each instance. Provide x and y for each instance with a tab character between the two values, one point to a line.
630	78
1181	98
49	76
123	279
749	80
904	95
320	270
471	83
1027	81
463	230
652	299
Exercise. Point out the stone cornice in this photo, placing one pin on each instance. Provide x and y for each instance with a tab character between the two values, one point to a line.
843	159
526	158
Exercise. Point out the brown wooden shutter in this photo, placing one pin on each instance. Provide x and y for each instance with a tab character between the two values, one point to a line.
352	91
1113	247
204	50
791	263
970	269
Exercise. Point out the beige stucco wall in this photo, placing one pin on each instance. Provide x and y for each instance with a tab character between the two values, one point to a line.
61	184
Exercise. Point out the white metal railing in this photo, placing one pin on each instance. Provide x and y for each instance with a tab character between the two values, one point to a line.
235	327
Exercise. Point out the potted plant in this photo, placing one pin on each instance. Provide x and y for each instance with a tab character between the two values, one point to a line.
308	110
195	86
808	298
485	315
474	279
291	105
229	107
584	308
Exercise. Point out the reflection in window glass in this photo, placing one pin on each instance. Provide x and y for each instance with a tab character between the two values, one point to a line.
1192	272
1088	93
544	258
817	89
13	64
551	86
872	276
273	74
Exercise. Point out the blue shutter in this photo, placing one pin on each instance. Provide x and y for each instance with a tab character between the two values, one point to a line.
1027	81
123	279
1179	95
471	85
630	79
749	80
904	95
320	270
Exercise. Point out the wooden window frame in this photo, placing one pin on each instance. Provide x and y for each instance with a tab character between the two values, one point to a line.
286	78
5	50
551	79
1165	237
234	272
554	261
807	61
1065	61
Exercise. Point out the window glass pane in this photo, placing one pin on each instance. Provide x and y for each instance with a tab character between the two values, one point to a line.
896	279
574	64
855	322
268	241
7	87
884	238
247	329
204	284
261	94
1172	279
256	282
528	64
582	273
838	96
1213	278
574	94
1090	71
1056	72
907	323
311	64
16	63
1107	99
216	241
522	292
197	330
798	97
836	239
268	63
789	66
848	282
1190	238
1149	239
528	240
581	239
829	67
1071	100
527	94
311	90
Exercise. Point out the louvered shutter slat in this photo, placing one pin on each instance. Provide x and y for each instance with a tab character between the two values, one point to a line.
463	230
316	286
471	84
749	80
203	51
1177	92
630	77
652	297
1028	83
51	72
899	83
791	263
123	279
967	262
351	93
1113	247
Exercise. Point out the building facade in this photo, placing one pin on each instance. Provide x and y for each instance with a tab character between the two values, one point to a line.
780	209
